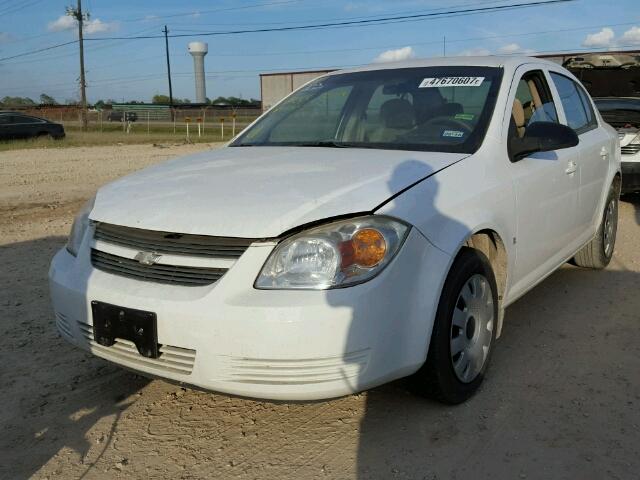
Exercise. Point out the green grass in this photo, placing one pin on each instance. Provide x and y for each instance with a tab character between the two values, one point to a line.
114	136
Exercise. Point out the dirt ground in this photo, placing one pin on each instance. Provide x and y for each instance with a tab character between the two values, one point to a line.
561	401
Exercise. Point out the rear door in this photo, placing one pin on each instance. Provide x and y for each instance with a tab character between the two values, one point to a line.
546	185
595	150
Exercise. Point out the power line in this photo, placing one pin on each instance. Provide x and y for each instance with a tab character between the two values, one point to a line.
93	48
433	42
351	23
16	8
215	10
39	50
484	2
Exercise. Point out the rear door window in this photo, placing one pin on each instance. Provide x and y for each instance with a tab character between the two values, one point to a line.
577	108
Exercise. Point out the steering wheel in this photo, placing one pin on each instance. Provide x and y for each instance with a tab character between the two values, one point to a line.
446	121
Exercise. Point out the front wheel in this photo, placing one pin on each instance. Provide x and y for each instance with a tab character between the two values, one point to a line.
464	331
598	252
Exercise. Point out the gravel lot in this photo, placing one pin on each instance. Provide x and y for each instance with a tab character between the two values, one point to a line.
561	401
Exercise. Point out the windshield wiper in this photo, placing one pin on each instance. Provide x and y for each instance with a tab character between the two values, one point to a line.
321	143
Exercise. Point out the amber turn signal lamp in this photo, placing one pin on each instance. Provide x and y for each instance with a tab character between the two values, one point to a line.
369	248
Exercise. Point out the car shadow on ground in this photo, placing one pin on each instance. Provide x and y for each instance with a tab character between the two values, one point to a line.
633	199
53	394
559	400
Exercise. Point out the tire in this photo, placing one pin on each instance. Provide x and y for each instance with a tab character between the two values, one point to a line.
470	295
598	252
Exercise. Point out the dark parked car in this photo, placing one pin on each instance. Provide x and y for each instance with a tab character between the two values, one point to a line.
118	116
18	125
624	115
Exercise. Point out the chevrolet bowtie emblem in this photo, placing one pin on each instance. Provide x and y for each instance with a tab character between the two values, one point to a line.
147	258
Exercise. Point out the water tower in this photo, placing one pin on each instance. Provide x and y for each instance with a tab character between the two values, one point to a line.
198	50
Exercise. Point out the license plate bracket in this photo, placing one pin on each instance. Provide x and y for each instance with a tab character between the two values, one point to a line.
139	326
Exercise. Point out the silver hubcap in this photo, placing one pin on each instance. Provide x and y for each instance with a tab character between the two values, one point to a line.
472	328
609	228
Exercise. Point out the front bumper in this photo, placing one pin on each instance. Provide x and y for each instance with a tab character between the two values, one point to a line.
630	175
275	344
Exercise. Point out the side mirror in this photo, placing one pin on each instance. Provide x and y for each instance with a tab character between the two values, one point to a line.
542	137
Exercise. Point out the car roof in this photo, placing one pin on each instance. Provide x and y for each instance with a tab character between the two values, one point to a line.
510	62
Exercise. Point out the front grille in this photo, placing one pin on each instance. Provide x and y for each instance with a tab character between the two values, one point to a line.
630	149
172	274
172	243
172	359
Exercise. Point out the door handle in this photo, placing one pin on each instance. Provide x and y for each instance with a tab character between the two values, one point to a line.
571	168
604	153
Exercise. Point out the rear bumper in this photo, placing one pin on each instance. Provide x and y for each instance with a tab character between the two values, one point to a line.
630	176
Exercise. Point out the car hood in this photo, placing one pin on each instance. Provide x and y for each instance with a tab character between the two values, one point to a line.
260	192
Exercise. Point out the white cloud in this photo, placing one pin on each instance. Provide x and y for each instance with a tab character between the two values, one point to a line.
510	48
64	22
396	55
98	26
513	48
602	39
91	26
474	52
631	37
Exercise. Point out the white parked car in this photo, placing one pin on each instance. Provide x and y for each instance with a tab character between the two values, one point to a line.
373	225
623	114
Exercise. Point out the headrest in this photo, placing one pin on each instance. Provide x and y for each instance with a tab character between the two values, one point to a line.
450	109
397	113
518	113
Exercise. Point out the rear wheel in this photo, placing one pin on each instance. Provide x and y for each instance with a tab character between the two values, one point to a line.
598	252
464	331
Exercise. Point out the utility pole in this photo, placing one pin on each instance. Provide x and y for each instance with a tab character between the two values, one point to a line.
77	14
166	46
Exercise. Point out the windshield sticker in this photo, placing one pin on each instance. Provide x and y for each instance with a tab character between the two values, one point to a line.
451	82
453	134
464	116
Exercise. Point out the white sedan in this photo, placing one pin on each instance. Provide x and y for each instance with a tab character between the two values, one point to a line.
373	225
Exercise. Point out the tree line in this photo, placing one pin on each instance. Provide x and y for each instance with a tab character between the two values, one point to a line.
45	99
232	101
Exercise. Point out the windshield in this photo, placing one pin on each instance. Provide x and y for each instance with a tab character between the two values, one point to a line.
431	108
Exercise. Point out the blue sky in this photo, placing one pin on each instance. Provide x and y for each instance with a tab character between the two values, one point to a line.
136	70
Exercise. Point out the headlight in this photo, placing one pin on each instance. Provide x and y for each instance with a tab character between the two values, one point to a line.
338	254
79	227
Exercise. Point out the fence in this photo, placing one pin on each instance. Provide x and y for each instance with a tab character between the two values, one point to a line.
213	120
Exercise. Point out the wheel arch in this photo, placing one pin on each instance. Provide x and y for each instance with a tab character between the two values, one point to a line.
491	244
